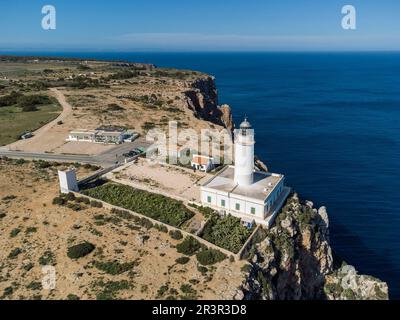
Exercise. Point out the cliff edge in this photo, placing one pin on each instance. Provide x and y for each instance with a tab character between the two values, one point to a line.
293	260
202	99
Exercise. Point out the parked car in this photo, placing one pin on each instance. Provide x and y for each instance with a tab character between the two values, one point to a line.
130	154
26	135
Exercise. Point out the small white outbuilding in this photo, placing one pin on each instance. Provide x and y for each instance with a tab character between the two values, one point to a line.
68	181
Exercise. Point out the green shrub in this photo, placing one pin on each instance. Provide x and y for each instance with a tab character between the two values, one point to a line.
114	267
72	297
182	260
161	228
156	206
47	259
70	197
28	266
59	201
146	223
162	290
29	108
34	286
202	269
189	292
8	198
189	246
74	206
96	204
210	256
14	253
31	230
176	234
83	200
8	291
14	232
80	250
246	268
226	232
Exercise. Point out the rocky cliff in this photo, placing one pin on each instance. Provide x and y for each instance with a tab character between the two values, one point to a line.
202	99
294	260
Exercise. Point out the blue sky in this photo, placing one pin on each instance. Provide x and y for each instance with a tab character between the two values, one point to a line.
205	25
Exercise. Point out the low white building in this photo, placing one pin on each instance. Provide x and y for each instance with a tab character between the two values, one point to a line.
68	181
202	163
243	192
100	136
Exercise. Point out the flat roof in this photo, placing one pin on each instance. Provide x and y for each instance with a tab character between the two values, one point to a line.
83	131
96	132
264	183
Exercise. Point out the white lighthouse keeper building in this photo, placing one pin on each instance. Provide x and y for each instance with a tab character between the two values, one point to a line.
242	191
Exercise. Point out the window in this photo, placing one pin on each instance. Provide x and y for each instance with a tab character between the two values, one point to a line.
253	210
237	206
209	199
222	203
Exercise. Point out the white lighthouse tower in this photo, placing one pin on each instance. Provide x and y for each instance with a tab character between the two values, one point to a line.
244	154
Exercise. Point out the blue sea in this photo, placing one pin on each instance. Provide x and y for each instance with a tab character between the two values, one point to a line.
331	123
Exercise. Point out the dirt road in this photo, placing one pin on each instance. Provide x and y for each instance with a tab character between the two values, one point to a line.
41	134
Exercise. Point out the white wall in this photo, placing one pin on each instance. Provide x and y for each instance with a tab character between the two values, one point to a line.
68	181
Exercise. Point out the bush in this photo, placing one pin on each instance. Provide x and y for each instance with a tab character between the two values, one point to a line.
210	256
156	206
114	267
226	232
47	259
176	234
161	228
162	290
202	269
80	250
29	108
190	293
74	206
70	197
14	253
31	230
182	260
146	223
14	232
83	200
72	297
122	75
59	201
34	286
96	204
189	246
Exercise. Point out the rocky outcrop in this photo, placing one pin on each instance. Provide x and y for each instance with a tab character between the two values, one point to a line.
346	284
202	99
226	117
259	165
293	260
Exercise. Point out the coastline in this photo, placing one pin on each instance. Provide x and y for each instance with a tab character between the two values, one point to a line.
207	109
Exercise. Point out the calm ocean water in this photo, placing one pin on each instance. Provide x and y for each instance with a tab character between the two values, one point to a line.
331	124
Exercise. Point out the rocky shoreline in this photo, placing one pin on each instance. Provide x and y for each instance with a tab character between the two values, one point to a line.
293	260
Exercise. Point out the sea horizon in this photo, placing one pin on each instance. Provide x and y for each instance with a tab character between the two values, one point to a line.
327	120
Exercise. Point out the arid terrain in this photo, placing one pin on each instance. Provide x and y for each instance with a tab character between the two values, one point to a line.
93	94
34	232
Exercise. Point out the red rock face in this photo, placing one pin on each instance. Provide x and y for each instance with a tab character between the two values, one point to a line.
202	98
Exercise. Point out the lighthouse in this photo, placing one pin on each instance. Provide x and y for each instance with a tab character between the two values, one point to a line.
241	190
244	154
